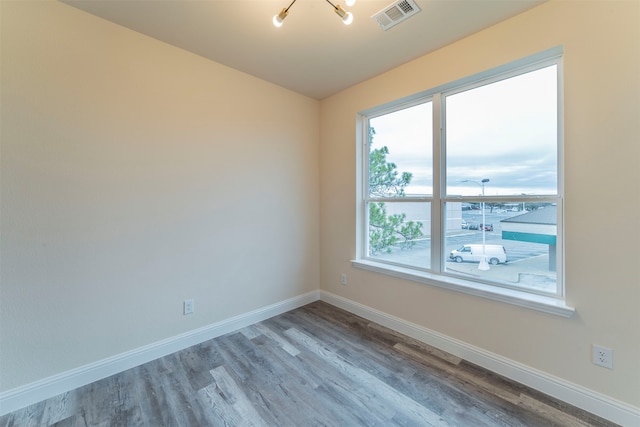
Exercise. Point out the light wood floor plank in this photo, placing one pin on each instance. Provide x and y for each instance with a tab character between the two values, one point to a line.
231	400
376	392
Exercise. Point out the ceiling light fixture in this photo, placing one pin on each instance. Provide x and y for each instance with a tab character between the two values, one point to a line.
347	17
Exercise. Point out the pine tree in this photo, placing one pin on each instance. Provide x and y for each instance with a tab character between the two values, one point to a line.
386	231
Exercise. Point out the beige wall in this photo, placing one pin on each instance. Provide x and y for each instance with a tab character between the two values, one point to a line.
602	198
136	175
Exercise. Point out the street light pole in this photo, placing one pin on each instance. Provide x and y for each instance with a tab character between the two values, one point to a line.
483	265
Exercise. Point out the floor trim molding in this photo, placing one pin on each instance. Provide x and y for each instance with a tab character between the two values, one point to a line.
584	398
37	391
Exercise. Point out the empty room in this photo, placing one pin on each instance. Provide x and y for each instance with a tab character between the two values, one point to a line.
313	212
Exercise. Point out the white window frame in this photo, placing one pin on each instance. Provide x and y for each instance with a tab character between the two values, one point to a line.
436	275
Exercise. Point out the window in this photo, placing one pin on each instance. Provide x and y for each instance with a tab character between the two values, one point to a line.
462	184
400	186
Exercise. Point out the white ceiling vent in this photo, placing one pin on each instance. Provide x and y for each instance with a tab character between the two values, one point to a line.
395	13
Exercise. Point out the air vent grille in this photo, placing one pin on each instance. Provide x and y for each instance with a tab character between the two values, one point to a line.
395	13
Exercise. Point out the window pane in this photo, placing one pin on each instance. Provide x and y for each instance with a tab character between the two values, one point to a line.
506	132
400	233
400	152
519	245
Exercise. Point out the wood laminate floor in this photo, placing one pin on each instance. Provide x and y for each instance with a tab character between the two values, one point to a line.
313	366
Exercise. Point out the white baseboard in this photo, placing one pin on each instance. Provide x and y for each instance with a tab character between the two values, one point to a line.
37	391
576	395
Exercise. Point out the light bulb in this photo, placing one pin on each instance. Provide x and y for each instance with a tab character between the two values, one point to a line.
279	18
350	2
347	17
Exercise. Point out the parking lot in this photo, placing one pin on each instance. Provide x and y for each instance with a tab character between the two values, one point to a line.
527	263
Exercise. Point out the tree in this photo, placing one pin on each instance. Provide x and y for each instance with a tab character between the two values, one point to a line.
385	230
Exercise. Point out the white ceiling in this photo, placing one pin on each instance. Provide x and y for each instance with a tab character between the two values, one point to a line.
313	53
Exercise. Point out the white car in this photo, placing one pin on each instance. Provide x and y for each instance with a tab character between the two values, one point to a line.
495	254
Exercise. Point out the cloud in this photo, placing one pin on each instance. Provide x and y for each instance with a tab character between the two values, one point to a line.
505	131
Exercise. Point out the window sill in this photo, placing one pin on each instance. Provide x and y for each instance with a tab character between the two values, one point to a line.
542	303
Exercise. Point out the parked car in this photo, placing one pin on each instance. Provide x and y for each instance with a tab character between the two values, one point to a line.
495	254
465	224
487	227
473	226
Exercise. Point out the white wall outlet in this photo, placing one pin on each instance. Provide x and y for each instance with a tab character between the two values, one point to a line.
602	356
343	279
188	307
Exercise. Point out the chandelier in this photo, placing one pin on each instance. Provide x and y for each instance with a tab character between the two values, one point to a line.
346	17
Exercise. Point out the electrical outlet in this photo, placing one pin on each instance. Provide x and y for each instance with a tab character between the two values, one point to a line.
602	356
343	279
188	307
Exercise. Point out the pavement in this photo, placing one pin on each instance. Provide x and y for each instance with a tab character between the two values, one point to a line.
530	273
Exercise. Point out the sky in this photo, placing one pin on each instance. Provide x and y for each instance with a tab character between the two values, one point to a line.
504	131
